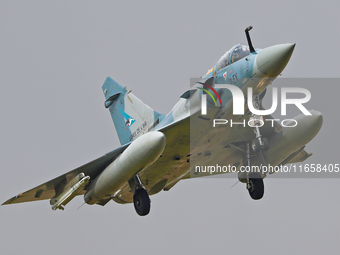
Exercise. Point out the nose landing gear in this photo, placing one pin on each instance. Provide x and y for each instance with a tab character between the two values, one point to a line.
254	181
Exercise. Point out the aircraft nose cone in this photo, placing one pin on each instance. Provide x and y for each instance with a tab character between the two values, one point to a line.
272	60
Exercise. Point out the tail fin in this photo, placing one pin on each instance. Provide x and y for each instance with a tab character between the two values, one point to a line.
130	115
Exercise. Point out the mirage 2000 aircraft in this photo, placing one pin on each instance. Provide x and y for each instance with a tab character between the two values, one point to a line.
157	150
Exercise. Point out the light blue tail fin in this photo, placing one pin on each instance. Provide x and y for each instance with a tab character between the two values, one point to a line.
130	115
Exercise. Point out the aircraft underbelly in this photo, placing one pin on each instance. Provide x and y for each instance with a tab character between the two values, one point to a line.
195	142
212	146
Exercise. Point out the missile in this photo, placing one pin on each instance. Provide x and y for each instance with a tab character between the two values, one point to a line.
71	190
140	154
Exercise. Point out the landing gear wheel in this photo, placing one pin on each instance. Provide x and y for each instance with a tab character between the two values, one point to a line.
255	186
255	145
141	201
265	144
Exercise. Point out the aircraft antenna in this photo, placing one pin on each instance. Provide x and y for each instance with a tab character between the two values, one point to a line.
235	184
81	206
251	48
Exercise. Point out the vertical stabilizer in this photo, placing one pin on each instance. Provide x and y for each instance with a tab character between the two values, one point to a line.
130	115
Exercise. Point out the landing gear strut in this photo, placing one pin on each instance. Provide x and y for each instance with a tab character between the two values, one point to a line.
259	142
141	199
254	180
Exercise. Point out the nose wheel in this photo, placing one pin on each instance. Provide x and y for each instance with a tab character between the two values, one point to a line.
253	180
255	186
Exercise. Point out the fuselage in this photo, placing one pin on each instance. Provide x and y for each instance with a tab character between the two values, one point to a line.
256	70
197	142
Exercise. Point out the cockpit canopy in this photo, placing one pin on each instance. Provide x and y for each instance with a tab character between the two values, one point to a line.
234	54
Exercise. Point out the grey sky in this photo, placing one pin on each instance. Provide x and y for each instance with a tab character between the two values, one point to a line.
54	57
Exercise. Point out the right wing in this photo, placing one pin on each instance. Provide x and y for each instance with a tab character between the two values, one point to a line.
48	189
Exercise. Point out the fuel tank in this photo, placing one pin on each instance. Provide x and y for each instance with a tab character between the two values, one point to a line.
140	154
291	138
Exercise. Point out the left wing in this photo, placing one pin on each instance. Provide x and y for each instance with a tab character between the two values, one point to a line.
48	189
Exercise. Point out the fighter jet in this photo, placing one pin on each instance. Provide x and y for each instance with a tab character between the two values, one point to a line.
213	123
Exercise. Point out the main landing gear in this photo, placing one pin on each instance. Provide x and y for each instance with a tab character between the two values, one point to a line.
141	199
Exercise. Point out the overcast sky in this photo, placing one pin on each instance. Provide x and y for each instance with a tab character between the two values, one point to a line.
54	57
